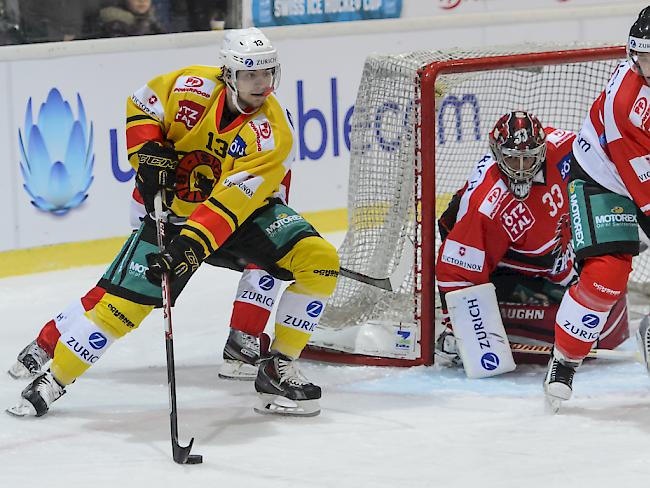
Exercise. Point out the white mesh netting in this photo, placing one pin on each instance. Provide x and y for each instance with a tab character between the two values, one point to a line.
383	195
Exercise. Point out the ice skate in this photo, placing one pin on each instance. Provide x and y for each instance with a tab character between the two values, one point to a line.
38	396
558	383
240	356
643	341
283	390
29	363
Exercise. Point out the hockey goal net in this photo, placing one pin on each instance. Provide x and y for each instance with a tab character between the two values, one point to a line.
419	125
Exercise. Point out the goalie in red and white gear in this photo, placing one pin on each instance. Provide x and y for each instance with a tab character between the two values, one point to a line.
509	225
610	199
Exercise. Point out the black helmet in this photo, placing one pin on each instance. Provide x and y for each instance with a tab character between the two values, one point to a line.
639	40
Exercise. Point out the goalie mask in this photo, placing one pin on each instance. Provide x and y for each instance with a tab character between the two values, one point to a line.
248	50
638	45
518	144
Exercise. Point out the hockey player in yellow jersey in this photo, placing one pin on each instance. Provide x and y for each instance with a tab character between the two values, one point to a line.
218	144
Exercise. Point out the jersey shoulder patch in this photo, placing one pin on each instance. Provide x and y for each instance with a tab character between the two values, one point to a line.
196	85
640	111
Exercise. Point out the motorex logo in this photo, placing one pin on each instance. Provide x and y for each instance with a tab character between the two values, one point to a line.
590	320
266	282
56	154
314	308
97	340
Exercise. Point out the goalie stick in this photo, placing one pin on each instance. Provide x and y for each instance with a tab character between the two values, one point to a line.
608	354
181	454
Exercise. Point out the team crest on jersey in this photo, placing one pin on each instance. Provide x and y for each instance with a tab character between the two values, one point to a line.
640	114
189	113
196	175
516	219
563	249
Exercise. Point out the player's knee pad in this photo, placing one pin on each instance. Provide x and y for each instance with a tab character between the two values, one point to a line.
296	318
603	280
256	295
81	344
314	264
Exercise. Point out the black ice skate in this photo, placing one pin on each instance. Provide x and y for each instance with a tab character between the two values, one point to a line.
29	362
643	341
558	383
284	390
240	356
38	396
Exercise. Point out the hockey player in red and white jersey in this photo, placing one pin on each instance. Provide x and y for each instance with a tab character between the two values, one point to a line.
509	225
609	198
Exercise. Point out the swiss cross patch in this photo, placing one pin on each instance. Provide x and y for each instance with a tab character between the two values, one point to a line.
516	219
152	100
189	113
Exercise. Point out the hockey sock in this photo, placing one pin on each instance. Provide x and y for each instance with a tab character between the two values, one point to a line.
256	294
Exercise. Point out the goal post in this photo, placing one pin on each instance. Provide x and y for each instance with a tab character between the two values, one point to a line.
419	125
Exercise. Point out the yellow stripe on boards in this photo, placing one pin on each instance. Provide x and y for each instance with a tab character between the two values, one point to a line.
103	251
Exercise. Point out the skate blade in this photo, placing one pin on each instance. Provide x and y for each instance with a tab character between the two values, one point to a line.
22	409
552	404
19	372
279	405
237	370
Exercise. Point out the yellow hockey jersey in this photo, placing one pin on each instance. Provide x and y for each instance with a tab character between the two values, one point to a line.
224	175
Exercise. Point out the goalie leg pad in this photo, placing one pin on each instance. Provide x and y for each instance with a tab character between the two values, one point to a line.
481	338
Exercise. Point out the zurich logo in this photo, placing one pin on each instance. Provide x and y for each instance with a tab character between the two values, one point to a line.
56	154
266	282
97	340
248	62
632	43
314	308
590	320
490	361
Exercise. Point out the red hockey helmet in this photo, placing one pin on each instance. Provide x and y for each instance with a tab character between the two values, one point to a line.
518	144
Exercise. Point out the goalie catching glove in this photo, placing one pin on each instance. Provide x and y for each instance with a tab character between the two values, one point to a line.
156	171
181	258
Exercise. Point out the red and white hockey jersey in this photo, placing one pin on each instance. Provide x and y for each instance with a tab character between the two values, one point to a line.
494	229
613	146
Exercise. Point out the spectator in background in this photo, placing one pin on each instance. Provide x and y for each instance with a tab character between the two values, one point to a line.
130	18
54	20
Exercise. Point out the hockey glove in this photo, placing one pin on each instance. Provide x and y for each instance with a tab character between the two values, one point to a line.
181	258
156	171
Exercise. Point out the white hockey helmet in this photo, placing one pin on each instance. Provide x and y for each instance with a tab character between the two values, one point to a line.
247	50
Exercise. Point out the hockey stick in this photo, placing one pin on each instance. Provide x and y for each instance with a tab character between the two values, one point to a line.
607	354
180	454
392	282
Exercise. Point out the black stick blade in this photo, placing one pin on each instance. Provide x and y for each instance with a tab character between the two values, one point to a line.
182	454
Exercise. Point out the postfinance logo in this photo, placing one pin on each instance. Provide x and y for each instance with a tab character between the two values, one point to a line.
56	154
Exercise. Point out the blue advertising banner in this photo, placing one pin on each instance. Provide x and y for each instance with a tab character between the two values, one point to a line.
267	13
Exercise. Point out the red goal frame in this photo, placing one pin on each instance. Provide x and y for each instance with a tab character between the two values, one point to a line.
425	134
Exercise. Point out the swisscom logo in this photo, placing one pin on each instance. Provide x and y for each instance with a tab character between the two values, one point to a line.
56	151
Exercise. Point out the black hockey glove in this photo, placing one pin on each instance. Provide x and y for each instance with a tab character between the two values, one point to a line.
181	258
156	171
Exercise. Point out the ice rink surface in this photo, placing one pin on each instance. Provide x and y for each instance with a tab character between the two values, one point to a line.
379	427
